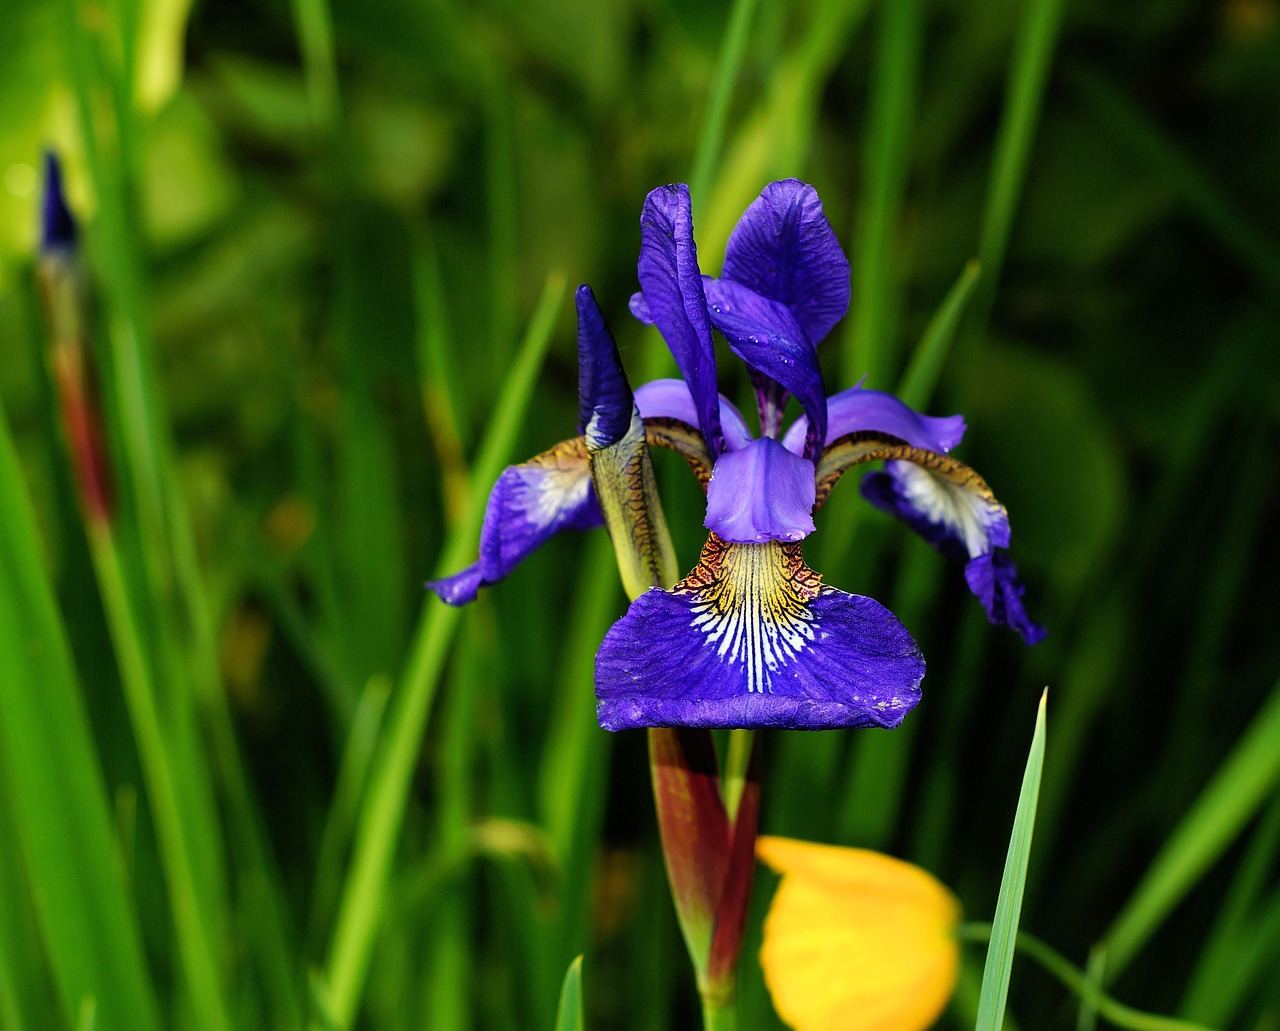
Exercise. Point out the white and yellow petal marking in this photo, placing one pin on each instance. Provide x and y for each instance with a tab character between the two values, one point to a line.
856	940
753	605
753	638
557	480
971	515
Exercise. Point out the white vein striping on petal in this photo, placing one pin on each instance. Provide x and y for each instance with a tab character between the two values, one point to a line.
557	479
751	603
978	519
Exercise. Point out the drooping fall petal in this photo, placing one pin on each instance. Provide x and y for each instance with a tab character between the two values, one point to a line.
753	638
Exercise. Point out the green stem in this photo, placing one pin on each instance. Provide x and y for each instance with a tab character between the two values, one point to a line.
719	1014
734	776
1075	981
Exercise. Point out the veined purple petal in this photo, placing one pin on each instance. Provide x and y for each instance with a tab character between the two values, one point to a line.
857	410
752	638
605	404
783	248
968	526
670	399
993	578
765	335
672	287
761	493
529	504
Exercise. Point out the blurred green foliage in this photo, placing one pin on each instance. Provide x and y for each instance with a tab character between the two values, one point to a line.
317	236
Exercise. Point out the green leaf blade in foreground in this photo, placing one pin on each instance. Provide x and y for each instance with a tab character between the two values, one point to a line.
49	771
1004	931
569	1017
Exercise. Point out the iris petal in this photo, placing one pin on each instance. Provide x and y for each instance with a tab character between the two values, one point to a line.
967	524
993	578
529	504
784	249
858	411
672	287
752	638
961	519
605	403
670	399
765	334
761	493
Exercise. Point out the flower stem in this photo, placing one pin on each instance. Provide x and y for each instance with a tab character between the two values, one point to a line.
734	778
719	1014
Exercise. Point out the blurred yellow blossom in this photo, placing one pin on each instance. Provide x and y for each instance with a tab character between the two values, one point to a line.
856	940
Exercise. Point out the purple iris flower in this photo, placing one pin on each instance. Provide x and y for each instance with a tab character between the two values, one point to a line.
752	637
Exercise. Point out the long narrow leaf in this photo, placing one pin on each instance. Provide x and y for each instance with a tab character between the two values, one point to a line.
1004	933
1243	783
52	777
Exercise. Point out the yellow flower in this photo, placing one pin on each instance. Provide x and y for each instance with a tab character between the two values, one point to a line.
856	940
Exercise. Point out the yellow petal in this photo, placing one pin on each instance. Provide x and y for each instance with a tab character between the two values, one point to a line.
856	940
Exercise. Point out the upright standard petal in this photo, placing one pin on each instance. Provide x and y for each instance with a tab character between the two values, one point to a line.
670	399
529	504
605	401
761	493
672	287
753	638
618	453
784	249
765	334
962	519
859	411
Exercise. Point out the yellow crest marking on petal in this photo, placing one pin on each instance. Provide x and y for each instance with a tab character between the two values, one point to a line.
684	440
753	604
856	448
856	940
558	473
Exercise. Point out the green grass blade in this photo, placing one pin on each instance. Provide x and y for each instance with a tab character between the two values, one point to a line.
569	1017
1004	933
1243	783
1087	1016
921	376
314	26
1024	94
51	776
383	810
1234	927
1082	985
878	275
196	943
727	68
